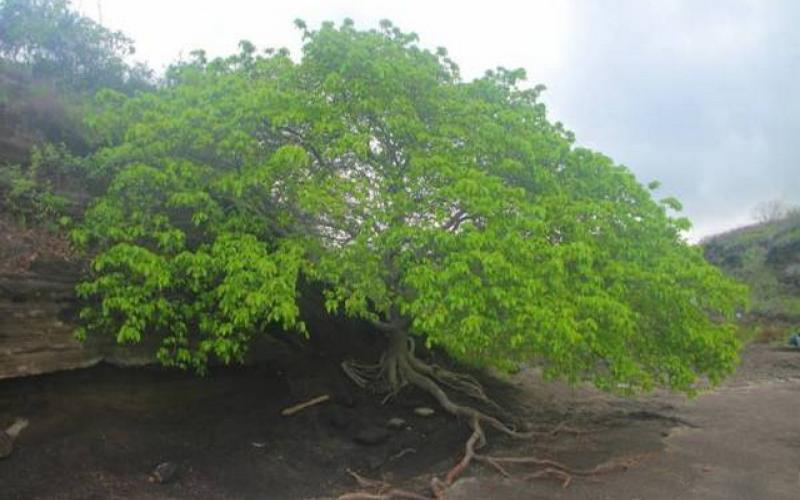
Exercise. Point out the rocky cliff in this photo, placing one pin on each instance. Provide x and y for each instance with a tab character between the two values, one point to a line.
37	313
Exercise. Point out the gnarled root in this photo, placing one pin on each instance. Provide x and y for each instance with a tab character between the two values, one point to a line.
378	490
544	467
398	367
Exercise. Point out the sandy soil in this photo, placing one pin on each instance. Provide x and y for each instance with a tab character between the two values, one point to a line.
740	441
99	433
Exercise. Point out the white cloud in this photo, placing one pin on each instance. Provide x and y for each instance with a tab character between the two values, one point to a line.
478	35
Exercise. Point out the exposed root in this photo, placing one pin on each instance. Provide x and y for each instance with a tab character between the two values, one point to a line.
378	490
459	382
391	374
363	375
548	467
565	477
398	368
410	368
552	468
400	454
366	483
475	442
393	494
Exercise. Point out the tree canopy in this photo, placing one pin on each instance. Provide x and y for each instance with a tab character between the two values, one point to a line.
52	41
453	211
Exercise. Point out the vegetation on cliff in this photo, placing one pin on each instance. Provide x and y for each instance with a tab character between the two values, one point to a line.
765	256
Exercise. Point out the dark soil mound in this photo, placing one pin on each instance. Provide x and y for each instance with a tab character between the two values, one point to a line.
100	432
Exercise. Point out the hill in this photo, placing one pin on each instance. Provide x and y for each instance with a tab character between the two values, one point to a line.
765	256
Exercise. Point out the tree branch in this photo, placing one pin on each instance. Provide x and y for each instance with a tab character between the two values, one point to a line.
300	140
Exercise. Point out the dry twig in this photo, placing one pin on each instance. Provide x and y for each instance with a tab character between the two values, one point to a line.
288	412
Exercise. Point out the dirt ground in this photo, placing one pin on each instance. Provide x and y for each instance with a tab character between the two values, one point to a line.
740	441
99	433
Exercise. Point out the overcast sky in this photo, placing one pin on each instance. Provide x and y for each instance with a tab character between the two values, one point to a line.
701	95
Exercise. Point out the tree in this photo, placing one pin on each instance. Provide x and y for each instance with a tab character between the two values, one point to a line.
53	42
442	211
52	61
772	210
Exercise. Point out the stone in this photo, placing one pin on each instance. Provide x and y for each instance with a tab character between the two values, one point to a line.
396	423
164	472
424	411
37	326
8	436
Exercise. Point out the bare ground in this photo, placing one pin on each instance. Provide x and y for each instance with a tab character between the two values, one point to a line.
98	433
740	441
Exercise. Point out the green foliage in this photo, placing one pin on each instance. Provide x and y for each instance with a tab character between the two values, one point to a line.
56	43
52	60
371	170
34	195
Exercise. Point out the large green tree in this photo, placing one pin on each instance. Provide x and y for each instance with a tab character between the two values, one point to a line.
443	211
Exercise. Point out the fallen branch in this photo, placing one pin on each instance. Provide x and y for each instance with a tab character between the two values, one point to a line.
288	412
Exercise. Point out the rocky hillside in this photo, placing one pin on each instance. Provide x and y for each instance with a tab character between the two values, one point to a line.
33	111
38	308
765	256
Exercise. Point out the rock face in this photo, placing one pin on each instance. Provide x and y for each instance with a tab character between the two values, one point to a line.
38	312
37	321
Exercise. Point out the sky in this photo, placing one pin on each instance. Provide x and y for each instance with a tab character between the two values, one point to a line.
700	95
